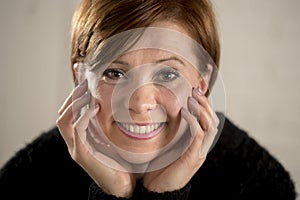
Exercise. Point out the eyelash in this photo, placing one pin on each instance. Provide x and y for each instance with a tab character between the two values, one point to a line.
108	73
161	76
167	71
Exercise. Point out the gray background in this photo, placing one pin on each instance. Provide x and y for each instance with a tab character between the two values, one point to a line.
259	66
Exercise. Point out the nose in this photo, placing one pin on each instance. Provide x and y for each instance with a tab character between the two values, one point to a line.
143	99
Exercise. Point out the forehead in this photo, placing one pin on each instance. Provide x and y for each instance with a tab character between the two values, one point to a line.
150	55
160	43
149	43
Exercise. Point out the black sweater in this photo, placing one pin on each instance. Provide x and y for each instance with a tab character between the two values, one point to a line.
236	168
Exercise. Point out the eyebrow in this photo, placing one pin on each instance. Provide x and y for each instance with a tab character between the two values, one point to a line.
170	59
120	62
158	61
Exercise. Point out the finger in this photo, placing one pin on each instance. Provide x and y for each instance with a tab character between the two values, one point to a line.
179	173
210	137
185	167
207	142
202	100
80	103
82	123
66	119
69	114
200	112
77	92
201	145
192	121
189	162
81	128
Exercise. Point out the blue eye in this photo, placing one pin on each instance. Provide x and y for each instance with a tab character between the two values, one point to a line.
113	74
166	75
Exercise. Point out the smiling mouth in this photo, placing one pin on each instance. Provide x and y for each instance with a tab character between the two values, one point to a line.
141	131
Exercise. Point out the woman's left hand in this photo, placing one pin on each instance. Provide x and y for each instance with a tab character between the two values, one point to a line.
203	125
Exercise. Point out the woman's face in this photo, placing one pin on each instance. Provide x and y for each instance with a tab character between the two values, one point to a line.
150	86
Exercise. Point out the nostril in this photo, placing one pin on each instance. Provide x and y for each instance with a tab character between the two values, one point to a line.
150	106
142	108
150	113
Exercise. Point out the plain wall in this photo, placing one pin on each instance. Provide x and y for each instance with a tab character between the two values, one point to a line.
259	66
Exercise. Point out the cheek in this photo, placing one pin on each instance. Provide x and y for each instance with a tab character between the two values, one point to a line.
103	96
176	96
170	102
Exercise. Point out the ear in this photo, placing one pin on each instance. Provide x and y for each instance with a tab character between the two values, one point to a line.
78	69
204	82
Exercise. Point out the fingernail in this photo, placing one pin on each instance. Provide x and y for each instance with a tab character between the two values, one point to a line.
81	84
198	91
184	112
75	66
193	101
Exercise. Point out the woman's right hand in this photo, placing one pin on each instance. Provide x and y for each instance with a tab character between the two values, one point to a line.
111	181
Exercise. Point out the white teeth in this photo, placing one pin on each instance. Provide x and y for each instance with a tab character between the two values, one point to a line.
140	129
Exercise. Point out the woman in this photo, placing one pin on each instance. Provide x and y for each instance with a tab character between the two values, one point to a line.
141	92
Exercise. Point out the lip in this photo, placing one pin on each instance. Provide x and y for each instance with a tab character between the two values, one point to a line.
141	131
